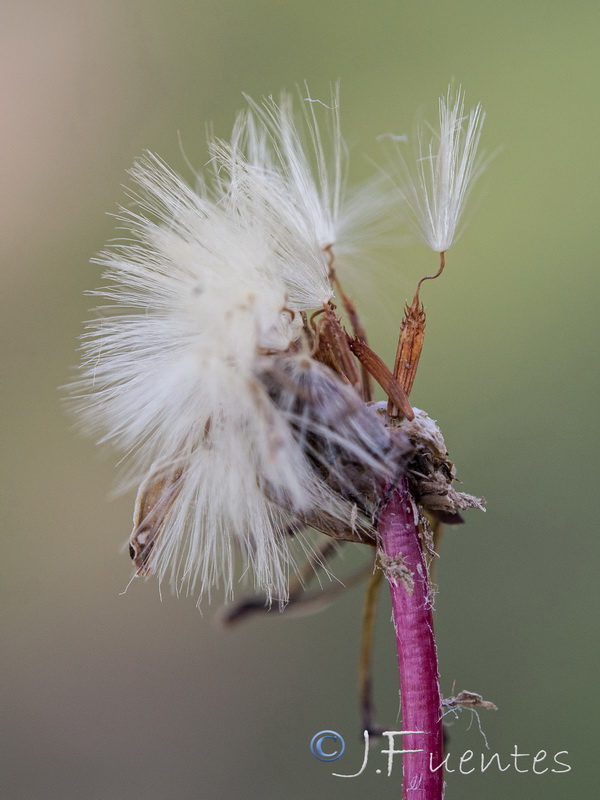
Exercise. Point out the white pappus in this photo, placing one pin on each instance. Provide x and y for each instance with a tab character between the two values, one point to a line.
437	183
197	368
200	365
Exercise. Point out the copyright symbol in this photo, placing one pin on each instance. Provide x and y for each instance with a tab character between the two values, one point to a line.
327	746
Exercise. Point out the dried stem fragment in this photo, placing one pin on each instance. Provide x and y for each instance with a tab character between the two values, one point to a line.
355	322
382	374
468	699
366	654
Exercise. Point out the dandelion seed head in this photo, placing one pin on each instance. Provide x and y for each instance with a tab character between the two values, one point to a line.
199	365
201	307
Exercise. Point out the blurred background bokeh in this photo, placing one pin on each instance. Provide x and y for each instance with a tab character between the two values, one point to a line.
124	696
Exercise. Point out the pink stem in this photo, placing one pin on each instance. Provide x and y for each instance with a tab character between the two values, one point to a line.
415	643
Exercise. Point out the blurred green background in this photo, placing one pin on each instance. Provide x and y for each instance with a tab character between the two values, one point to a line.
118	696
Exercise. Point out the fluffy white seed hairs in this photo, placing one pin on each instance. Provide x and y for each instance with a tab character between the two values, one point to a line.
196	368
447	165
201	365
296	165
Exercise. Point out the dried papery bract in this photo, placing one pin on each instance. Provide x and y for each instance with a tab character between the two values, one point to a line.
155	499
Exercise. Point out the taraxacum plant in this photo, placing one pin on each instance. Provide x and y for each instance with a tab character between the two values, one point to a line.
231	367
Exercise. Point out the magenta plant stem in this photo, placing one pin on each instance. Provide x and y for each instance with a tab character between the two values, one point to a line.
415	644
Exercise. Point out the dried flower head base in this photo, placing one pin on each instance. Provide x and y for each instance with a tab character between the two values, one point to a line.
231	366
